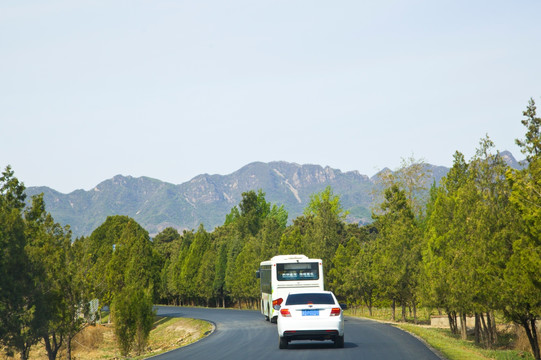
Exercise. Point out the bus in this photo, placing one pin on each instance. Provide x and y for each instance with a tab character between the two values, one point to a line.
283	274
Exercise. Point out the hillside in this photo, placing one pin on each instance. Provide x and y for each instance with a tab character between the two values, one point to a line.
207	198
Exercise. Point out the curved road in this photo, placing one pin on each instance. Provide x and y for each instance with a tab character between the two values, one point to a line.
242	334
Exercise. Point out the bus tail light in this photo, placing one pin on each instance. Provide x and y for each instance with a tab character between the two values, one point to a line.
335	311
278	301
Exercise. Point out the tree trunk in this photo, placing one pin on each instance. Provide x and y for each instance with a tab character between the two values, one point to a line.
52	345
463	329
477	328
528	324
452	322
493	327
414	313
490	331
25	352
68	348
393	307
403	312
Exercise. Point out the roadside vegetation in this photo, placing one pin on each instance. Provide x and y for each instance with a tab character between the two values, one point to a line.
98	341
467	247
512	343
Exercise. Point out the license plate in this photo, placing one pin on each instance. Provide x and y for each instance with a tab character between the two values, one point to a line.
310	312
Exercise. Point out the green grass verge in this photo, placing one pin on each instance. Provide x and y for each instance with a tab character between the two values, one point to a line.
453	348
448	345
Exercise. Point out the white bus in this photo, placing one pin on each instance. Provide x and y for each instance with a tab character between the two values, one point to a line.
283	274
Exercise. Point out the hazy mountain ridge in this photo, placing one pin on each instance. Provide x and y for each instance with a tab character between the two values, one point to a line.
208	198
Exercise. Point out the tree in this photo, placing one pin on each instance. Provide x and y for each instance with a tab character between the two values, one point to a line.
244	284
205	275
324	228
125	275
337	278
61	294
362	277
18	327
468	237
442	241
253	210
531	146
522	280
133	316
76	294
397	249
221	236
269	237
291	241
107	247
47	296
164	242
413	178
198	248
175	282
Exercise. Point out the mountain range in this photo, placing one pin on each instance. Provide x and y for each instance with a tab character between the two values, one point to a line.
207	199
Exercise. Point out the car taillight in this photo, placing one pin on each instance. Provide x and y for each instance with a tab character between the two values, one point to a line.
335	311
285	312
278	301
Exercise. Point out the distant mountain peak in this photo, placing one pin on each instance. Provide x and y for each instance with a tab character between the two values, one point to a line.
208	198
510	160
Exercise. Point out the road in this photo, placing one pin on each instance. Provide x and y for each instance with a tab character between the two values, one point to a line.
242	334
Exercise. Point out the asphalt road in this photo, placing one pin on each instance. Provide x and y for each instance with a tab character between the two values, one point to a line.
242	334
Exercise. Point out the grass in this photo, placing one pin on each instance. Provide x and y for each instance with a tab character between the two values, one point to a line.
98	342
449	345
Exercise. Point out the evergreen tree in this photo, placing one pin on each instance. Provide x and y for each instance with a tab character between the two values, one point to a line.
531	145
522	297
175	283
397	249
205	275
198	247
165	241
325	229
18	300
291	241
362	277
130	271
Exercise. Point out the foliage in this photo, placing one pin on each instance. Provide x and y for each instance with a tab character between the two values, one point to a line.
470	248
531	145
133	317
41	291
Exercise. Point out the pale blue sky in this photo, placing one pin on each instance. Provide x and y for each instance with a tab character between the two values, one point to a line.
173	89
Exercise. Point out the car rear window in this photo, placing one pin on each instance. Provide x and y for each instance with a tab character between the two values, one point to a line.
301	299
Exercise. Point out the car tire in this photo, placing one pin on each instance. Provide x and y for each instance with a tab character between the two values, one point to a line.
282	342
339	342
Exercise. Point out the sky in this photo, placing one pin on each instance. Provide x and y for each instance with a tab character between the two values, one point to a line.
172	89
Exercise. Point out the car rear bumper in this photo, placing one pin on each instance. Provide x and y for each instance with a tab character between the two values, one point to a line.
287	325
311	334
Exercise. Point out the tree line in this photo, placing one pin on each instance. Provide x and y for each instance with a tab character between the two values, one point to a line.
468	246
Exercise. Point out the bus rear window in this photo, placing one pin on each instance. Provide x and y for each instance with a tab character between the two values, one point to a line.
297	271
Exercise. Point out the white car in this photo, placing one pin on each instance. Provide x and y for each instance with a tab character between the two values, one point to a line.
314	315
